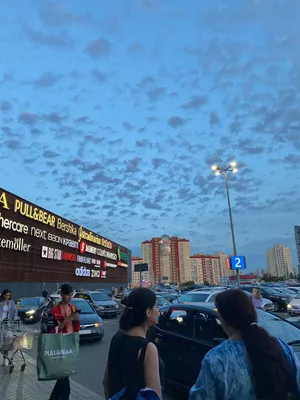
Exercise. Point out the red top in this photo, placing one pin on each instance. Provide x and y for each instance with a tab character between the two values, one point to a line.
59	315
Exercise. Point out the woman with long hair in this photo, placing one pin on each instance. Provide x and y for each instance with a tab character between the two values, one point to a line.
251	364
9	312
133	362
256	298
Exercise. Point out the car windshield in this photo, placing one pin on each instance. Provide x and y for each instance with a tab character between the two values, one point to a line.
193	298
278	327
100	297
83	306
29	302
161	301
271	291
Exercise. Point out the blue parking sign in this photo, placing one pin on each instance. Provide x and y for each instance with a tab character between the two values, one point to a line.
237	262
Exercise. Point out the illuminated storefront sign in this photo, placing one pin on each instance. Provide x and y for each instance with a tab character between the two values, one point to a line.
103	274
13	225
120	264
121	255
111	265
17	244
69	257
50	253
83	271
104	264
91	237
94	250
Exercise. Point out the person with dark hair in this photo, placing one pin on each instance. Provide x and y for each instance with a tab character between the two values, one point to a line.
133	362
251	364
8	311
66	320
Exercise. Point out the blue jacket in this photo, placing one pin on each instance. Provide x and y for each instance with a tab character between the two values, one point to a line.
12	310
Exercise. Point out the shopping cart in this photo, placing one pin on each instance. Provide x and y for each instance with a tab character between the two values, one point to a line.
13	339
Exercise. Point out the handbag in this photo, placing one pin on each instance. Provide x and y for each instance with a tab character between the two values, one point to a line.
140	394
57	355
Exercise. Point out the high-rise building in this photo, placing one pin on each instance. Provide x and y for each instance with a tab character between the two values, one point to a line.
135	280
260	272
168	259
224	264
206	268
279	259
297	238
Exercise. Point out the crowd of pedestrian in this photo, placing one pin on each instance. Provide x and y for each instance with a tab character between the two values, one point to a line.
250	365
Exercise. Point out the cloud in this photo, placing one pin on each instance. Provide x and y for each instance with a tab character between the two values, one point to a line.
128	126
195	103
151	205
13	144
158	162
47	80
176	122
136	48
99	47
214	119
133	165
54	118
156	94
99	76
50	154
28	118
55	14
56	40
145	143
5	106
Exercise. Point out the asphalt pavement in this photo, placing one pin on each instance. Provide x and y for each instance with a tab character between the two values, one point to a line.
92	356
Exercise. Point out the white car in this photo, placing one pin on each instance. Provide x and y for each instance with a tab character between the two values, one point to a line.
293	307
208	296
199	296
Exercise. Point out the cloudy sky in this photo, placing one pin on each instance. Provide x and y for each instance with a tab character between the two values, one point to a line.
112	113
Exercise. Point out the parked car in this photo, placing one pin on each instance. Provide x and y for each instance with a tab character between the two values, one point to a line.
91	324
293	307
162	301
103	304
267	305
279	299
30	308
186	332
199	296
171	297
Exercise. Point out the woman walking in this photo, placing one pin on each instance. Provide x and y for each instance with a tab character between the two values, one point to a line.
256	298
9	312
251	365
133	362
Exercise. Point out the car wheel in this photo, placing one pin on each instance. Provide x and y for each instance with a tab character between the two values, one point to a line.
276	306
99	339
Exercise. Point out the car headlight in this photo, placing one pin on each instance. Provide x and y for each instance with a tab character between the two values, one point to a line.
100	308
30	312
117	306
289	306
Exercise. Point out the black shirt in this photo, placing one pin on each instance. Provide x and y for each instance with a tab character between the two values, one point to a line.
124	369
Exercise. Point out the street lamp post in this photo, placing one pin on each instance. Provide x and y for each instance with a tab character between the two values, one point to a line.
219	171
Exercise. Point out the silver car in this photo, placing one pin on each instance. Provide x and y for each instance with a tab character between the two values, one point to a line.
103	304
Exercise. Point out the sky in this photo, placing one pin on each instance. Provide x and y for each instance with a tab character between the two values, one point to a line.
112	113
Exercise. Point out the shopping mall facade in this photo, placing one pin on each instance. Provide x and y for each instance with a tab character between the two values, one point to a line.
39	249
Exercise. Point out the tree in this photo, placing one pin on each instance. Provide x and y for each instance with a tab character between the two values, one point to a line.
291	275
206	283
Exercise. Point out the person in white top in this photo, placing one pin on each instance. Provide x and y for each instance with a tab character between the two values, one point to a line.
8	311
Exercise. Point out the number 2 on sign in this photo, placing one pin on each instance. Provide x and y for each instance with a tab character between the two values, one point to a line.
237	262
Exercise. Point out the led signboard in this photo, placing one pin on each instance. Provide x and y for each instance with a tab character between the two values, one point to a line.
39	246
